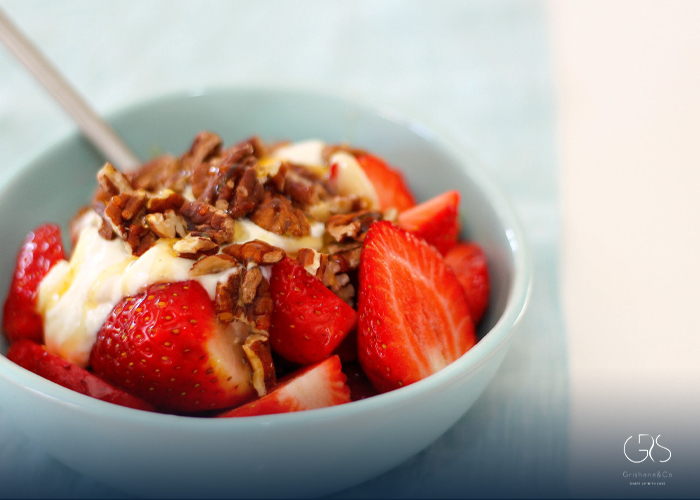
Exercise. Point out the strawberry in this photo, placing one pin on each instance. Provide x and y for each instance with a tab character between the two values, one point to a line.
41	249
389	183
413	314
166	346
468	262
308	321
37	359
434	220
315	386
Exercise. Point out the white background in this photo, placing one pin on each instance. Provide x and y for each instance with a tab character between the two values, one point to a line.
629	137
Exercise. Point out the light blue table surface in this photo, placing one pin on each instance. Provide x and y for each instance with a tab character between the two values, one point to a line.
478	70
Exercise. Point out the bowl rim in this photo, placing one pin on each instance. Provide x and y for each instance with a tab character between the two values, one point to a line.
494	340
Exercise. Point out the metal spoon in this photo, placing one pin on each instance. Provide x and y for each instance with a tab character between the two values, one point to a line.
98	132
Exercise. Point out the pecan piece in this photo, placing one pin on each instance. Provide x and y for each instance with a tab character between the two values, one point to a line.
193	246
165	199
256	251
213	264
352	226
210	221
164	170
112	181
167	224
276	214
245	296
257	350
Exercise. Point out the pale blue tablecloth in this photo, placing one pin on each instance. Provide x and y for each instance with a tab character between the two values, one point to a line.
479	70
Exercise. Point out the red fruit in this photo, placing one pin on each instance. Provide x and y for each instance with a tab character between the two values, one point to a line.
434	220
389	183
308	321
359	384
166	346
41	249
413	314
468	262
37	359
315	386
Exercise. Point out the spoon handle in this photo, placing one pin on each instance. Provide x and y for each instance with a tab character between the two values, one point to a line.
99	132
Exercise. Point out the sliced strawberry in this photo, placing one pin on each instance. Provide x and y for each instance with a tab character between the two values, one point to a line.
37	359
166	346
434	220
468	262
41	249
389	183
413	314
308	321
315	386
359	384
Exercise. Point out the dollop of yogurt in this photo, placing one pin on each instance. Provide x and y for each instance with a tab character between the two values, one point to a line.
76	296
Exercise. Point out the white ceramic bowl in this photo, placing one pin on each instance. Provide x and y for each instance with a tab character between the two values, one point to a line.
299	454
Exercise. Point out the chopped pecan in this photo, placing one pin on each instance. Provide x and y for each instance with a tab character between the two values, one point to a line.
337	248
134	204
210	221
213	264
194	246
256	251
353	226
113	181
332	270
226	299
163	171
247	195
312	260
257	350
165	199
245	296
276	214
249	286
220	172
167	225
205	146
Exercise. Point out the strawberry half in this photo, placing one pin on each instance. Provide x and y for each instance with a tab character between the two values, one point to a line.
41	249
308	321
413	314
468	262
315	386
37	359
434	220
166	346
389	183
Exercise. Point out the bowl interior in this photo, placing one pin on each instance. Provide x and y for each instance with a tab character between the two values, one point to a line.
62	179
378	433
